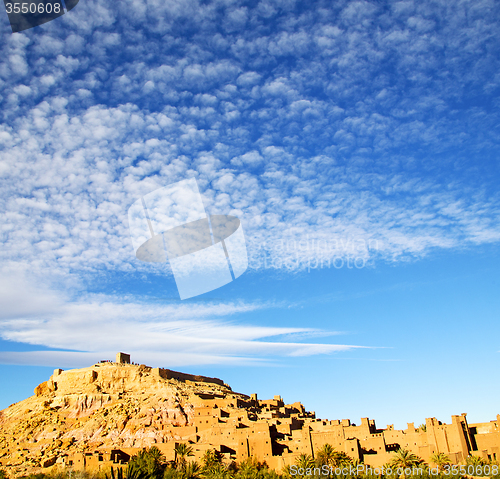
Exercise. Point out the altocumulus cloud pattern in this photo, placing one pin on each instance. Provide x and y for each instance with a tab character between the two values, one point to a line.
204	252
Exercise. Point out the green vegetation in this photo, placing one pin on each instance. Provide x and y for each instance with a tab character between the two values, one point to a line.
475	461
441	460
127	473
147	464
182	452
328	456
404	459
407	461
328	464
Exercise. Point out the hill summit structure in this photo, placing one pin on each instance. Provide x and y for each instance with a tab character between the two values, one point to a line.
97	417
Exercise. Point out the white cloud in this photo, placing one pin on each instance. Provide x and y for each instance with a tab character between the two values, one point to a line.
176	333
325	126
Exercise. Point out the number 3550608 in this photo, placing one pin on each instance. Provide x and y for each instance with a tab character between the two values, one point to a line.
33	8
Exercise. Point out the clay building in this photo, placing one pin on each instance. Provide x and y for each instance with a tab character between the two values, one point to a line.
100	416
271	431
277	433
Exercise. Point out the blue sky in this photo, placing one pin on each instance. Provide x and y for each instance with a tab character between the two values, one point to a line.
336	131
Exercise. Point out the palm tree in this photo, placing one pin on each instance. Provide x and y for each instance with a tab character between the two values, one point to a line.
248	469
148	462
404	459
191	471
155	454
211	458
171	473
326	455
182	451
440	459
129	473
212	466
341	459
475	461
286	472
304	461
355	463
269	474
217	472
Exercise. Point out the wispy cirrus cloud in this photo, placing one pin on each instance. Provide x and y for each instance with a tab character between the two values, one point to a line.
92	328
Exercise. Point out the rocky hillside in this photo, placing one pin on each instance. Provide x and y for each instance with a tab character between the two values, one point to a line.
106	405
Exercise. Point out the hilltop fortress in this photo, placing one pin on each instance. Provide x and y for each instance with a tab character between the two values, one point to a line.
100	416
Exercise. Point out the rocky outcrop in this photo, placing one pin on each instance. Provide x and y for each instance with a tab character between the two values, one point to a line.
106	405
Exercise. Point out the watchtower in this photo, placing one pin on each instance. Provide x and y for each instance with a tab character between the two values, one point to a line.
123	358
